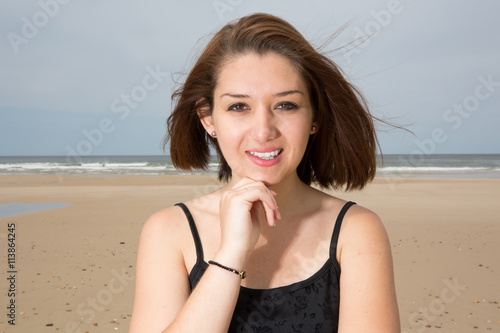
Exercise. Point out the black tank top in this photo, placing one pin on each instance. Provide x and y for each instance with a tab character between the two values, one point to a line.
311	305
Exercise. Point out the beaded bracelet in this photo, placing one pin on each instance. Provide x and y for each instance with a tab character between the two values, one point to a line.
241	274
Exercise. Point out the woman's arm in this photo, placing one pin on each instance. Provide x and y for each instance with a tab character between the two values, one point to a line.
367	294
162	297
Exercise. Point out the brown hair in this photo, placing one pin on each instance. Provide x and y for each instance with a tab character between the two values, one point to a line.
342	151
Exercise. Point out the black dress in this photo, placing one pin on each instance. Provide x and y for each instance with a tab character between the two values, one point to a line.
311	305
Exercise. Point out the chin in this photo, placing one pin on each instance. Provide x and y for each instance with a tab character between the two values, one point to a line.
268	180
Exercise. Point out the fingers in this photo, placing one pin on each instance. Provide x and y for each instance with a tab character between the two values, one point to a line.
271	215
253	191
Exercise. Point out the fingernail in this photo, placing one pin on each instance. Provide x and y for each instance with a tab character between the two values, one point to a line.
274	193
278	215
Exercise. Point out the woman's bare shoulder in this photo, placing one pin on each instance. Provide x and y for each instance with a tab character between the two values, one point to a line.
362	233
170	226
358	224
356	216
361	220
167	233
164	222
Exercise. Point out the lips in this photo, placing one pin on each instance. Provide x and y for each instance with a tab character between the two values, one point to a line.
265	157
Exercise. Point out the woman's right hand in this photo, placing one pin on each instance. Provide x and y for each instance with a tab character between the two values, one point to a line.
241	216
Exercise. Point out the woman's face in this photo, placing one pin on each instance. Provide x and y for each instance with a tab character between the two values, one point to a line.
262	116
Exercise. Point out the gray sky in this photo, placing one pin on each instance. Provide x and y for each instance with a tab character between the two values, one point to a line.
95	77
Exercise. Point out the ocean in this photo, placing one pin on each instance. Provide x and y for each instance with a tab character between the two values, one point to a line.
403	165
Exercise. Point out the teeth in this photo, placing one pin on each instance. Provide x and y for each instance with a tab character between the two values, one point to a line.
266	156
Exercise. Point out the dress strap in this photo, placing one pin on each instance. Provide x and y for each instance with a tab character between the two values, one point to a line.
194	232
336	231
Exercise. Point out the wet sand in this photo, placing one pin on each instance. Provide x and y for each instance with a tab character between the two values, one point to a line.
74	266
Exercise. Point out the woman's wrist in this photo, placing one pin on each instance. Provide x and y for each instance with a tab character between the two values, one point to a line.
231	259
241	274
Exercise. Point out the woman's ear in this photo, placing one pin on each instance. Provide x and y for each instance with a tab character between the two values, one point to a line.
206	119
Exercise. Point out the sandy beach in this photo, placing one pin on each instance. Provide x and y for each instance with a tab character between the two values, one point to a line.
74	266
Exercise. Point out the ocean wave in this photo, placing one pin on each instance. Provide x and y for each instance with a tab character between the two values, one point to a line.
437	170
107	168
162	165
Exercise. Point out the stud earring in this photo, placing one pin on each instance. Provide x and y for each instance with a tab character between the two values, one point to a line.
313	129
213	134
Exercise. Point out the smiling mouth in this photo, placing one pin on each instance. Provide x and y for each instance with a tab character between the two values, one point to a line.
266	156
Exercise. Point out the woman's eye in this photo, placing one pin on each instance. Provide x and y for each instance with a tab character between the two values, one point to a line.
238	107
287	106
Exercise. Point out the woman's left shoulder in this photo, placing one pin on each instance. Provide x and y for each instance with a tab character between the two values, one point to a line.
359	217
362	232
358	222
356	215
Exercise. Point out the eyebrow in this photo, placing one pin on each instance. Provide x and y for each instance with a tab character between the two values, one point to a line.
289	92
280	94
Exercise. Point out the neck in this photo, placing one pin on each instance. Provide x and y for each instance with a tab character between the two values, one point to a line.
289	196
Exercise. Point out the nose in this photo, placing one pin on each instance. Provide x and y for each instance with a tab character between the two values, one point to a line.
264	125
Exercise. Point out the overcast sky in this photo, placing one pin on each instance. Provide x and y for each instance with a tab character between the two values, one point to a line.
95	77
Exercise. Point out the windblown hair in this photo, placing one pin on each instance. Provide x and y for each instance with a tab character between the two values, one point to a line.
342	153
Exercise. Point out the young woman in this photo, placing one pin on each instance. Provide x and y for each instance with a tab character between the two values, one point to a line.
267	252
